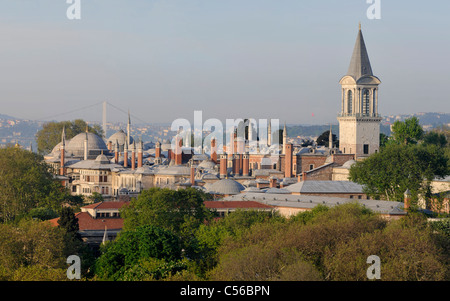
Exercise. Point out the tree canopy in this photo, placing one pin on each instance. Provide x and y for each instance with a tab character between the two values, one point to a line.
50	134
398	167
26	183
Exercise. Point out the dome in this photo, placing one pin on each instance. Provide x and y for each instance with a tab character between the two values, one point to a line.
226	186
207	164
95	145
102	159
120	137
349	164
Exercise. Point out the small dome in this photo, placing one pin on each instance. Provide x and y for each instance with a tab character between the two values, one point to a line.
120	137
349	164
226	186
102	159
207	164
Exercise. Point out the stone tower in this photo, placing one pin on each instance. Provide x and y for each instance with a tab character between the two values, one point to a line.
359	121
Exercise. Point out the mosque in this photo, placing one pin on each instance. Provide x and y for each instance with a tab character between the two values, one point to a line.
120	167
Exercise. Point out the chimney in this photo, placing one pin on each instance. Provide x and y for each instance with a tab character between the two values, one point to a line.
407	199
223	165
140	154
288	161
110	145
125	154
273	182
158	150
303	176
133	156
246	163
192	175
179	151
213	150
236	165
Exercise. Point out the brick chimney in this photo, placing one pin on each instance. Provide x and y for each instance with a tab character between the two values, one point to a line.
288	161
223	165
140	154
304	176
273	182
158	150
236	165
179	151
133	156
246	163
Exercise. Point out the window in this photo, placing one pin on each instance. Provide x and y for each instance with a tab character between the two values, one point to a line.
366	149
311	166
350	102
366	103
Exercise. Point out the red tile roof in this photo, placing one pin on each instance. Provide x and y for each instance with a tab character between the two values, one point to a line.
86	222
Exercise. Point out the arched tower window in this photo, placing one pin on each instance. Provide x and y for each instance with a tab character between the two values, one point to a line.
366	102
350	102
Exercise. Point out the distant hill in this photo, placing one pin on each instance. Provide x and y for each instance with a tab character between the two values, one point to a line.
7	117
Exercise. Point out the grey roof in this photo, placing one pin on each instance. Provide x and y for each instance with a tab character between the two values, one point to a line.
173	170
309	202
325	187
96	164
359	63
76	145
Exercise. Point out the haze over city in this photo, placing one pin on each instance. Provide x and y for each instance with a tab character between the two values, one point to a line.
261	58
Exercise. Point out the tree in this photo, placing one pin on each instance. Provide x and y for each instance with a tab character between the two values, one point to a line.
26	183
50	134
131	248
384	139
435	138
323	139
179	211
408	131
398	167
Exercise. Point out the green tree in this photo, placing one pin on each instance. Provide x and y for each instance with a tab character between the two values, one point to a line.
132	247
407	132
180	211
50	134
323	139
389	173
26	183
435	138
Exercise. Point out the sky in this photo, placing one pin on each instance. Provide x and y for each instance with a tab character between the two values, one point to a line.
165	59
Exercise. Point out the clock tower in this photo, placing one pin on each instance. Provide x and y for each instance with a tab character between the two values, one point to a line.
359	121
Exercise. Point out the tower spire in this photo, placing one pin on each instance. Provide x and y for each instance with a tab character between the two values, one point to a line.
359	63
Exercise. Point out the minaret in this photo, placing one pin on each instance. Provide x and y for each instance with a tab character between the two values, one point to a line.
86	151
116	152
359	121
269	134
284	139
133	155
330	139
63	151
140	154
129	129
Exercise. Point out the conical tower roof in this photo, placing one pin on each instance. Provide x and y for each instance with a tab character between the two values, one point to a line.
359	63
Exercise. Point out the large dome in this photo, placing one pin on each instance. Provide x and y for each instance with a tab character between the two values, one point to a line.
96	145
226	186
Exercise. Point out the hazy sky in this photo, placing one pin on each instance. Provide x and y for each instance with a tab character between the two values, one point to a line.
163	59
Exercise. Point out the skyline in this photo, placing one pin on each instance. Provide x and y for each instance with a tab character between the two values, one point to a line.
163	60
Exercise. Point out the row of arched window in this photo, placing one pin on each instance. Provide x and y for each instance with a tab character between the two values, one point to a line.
365	99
